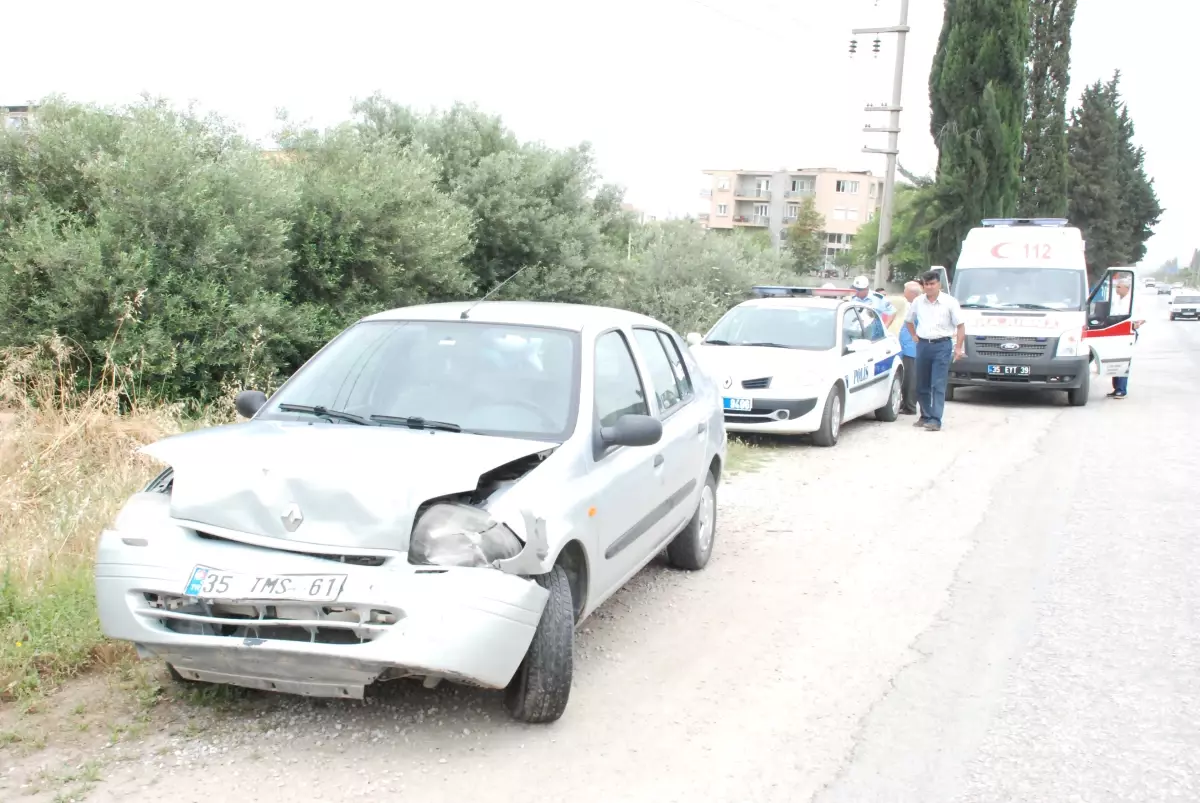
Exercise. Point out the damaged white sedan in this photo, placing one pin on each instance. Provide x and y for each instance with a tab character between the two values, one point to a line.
442	492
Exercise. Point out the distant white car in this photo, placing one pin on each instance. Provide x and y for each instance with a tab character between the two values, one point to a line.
794	362
1185	306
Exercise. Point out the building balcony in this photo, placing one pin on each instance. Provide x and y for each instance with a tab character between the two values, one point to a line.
705	193
753	194
751	220
799	193
789	219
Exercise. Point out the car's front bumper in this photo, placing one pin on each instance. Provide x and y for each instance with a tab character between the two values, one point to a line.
776	415
1045	373
1189	313
462	624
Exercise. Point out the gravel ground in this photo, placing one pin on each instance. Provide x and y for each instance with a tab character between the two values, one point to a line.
1006	610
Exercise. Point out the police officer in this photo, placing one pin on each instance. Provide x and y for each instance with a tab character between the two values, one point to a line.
862	292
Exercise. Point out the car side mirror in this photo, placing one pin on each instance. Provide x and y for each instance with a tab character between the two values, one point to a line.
633	430
249	402
694	338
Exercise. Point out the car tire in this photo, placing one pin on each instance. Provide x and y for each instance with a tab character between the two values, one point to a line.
693	546
1078	397
539	690
891	411
831	419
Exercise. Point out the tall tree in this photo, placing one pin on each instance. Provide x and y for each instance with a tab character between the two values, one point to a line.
977	96
1044	167
1111	198
806	238
1142	210
1094	139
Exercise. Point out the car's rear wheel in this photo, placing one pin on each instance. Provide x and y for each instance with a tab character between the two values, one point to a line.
692	548
831	419
891	411
539	690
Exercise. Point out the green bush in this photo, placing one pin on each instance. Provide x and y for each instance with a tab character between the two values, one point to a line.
164	242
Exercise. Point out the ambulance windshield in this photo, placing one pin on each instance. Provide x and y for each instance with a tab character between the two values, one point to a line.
1020	288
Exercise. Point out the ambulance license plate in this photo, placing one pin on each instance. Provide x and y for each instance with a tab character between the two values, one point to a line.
1008	370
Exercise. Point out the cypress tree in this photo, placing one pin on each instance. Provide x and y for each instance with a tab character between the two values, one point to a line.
1094	140
1044	169
1139	200
977	97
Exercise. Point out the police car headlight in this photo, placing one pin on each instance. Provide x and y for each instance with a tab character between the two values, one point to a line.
1070	345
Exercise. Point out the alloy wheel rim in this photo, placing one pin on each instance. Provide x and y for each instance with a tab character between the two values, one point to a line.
836	415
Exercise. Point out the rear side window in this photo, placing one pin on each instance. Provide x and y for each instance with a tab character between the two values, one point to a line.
619	389
666	386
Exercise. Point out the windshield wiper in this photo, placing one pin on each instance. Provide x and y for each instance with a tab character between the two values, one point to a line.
716	342
324	412
767	345
977	306
1031	306
416	422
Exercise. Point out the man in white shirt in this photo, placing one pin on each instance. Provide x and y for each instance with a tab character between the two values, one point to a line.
935	322
1120	307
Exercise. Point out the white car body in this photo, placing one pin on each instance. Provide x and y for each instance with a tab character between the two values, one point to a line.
1023	286
317	549
769	389
1184	306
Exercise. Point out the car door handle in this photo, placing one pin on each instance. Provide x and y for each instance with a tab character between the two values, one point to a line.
658	460
701	427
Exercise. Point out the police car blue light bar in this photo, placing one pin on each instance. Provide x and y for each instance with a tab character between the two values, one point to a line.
1057	222
785	291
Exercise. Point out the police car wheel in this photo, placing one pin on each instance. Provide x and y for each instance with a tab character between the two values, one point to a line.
949	392
890	411
831	419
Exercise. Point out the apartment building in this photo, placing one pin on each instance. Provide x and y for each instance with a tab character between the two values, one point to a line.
15	116
770	200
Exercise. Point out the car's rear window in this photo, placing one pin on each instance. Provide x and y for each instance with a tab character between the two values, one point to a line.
1187	299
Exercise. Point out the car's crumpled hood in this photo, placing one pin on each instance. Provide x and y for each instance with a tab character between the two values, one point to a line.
354	486
737	363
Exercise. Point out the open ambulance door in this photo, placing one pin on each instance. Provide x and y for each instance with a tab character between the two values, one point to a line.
1109	332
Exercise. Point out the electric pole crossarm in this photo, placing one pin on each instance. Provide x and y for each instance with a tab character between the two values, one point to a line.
889	29
874	129
884	151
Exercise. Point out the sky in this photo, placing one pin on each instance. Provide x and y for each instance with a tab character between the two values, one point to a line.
662	89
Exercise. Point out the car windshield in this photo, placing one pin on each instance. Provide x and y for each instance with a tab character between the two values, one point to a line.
810	328
508	380
1187	299
1053	288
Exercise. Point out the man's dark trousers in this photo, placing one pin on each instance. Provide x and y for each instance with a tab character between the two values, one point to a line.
908	399
933	369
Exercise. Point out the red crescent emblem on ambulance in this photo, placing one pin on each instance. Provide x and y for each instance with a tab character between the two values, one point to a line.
996	250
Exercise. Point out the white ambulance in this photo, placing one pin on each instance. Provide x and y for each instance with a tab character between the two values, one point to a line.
1031	320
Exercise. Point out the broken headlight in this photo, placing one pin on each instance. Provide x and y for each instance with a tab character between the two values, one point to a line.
449	534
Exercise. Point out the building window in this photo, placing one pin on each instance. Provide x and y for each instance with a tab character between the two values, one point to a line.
723	210
763	184
842	213
762	210
870	215
722	184
802	185
835	239
871	189
793	210
848	187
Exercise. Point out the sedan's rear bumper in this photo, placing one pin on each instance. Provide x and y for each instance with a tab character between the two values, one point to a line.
466	625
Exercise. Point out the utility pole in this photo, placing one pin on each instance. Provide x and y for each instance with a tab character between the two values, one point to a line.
893	132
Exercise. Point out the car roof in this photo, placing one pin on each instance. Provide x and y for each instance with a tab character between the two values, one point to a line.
573	317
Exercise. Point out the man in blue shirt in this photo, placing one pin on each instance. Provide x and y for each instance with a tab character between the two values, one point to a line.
862	292
908	354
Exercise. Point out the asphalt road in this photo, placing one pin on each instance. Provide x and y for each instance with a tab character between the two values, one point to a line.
1007	610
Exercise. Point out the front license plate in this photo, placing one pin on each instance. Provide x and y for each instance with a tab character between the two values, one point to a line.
209	583
1008	370
741	405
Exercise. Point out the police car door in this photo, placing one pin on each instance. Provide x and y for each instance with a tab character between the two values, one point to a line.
1109	336
855	363
884	352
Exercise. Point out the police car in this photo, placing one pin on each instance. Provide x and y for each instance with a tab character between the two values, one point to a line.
799	360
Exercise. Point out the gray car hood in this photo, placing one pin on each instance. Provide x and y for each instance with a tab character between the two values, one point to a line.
333	485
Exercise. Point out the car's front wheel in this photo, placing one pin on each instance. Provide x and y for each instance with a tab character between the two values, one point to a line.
831	419
538	692
692	548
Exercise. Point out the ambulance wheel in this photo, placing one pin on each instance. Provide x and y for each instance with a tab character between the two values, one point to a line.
831	419
1078	397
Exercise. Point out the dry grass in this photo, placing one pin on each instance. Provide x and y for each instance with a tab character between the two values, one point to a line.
67	462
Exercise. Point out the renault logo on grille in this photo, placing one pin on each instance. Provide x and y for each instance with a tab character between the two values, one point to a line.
728	381
293	518
1010	346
